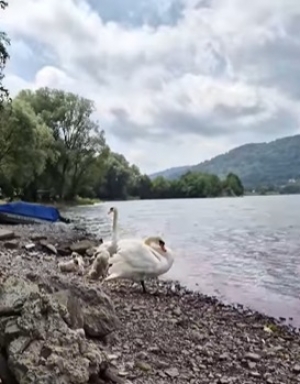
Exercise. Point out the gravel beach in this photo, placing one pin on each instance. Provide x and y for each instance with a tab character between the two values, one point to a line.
169	335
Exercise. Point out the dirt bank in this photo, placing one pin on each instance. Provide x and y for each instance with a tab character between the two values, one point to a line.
169	335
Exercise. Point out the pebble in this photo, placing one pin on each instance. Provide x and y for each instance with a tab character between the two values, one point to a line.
180	337
252	356
172	372
143	366
296	368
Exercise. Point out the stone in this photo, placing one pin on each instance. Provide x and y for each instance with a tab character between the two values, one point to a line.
6	235
12	244
296	368
252	356
224	380
224	356
91	251
29	246
54	352
172	372
63	251
99	318
82	246
73	316
251	365
37	237
177	311
143	366
48	247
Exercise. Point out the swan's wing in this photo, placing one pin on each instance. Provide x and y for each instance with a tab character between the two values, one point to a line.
136	255
108	246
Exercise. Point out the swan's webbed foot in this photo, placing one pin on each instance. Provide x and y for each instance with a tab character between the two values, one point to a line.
143	285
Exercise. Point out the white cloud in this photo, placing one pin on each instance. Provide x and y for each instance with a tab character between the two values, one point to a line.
222	74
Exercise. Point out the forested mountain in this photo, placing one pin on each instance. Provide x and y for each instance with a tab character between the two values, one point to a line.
263	164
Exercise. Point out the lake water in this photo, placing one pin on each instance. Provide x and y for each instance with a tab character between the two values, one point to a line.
243	250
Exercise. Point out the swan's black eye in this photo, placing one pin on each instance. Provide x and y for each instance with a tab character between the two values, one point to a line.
111	209
161	243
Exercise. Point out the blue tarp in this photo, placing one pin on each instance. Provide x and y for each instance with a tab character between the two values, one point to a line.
36	211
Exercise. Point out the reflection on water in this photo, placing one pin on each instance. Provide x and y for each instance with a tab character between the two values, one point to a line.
241	249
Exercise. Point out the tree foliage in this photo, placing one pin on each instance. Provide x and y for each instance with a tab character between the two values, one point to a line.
258	165
51	148
4	56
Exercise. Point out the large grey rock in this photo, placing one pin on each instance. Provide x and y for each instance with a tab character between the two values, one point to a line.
50	248
6	234
37	336
99	318
82	246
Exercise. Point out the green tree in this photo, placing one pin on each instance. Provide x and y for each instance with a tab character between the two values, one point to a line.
161	188
117	178
142	187
233	185
4	56
78	140
25	144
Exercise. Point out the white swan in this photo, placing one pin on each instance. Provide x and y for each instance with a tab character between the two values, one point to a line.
103	252
110	245
140	259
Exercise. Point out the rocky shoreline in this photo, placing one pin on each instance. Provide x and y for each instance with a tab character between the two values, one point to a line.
64	328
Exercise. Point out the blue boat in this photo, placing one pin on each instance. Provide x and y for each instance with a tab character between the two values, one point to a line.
20	212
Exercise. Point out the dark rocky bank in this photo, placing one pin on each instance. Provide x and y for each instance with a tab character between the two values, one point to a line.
67	329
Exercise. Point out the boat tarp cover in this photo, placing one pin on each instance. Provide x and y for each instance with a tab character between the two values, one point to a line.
36	211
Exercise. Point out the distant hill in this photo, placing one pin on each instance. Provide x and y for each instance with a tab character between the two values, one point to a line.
263	164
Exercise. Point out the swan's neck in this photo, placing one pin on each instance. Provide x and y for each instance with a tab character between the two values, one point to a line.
166	257
149	240
114	227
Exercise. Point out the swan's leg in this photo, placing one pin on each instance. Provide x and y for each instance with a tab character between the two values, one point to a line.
143	285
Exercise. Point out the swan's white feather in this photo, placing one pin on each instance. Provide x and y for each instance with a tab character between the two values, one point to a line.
135	260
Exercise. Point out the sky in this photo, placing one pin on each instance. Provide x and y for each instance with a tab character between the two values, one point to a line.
174	82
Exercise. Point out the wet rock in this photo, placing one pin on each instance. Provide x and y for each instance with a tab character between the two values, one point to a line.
40	345
82	246
50	248
12	244
6	234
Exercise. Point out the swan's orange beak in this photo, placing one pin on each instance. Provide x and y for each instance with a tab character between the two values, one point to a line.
163	248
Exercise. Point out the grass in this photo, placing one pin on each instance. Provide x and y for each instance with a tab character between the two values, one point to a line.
64	203
85	201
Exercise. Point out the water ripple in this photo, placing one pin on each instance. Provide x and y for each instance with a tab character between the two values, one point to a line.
243	250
